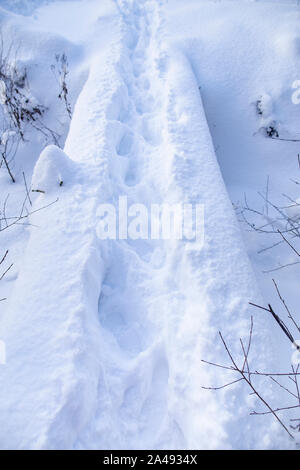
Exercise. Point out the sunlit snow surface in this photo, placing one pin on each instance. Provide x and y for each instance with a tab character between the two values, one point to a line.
105	339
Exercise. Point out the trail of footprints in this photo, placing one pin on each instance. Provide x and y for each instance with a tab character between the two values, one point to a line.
122	305
141	116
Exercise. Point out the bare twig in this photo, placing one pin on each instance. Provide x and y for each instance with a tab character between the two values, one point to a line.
7	222
279	322
26	187
246	374
254	390
290	245
290	316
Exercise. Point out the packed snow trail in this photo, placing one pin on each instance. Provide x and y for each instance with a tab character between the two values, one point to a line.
114	331
155	319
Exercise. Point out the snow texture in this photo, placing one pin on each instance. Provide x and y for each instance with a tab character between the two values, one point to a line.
104	339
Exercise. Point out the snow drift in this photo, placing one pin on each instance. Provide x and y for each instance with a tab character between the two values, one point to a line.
105	338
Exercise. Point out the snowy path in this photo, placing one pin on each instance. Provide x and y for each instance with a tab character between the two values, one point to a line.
126	323
149	310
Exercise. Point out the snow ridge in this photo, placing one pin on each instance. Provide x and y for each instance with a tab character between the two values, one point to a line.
156	321
115	331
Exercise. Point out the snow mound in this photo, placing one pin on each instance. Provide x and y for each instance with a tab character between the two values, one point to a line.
23	7
53	169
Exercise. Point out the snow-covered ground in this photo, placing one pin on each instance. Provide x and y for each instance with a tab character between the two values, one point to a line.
104	338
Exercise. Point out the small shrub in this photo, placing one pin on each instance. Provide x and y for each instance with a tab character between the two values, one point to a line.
61	70
19	105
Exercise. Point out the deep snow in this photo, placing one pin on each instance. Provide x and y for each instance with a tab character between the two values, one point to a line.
105	338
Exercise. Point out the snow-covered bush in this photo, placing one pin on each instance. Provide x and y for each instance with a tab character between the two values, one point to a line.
18	104
20	109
